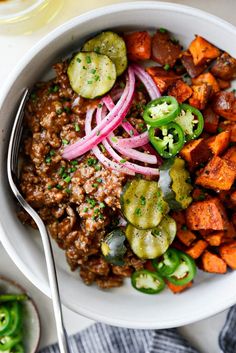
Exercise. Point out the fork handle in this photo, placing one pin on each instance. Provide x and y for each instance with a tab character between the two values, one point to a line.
55	295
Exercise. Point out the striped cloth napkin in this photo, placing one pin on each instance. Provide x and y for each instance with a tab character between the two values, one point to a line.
101	338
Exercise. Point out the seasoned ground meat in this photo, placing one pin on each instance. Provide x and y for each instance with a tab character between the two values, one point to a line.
78	200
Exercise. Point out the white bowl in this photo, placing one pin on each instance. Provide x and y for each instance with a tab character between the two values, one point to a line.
123	306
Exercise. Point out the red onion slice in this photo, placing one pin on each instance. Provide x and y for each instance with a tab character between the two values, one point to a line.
112	120
148	82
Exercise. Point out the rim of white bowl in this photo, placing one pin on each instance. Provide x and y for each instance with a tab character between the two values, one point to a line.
21	13
213	308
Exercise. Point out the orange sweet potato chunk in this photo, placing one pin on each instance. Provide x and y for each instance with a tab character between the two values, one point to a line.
138	45
178	289
203	51
228	254
224	104
207	78
195	152
211	120
186	236
180	90
208	214
200	96
218	174
219	143
230	155
215	238
197	249
213	263
162	78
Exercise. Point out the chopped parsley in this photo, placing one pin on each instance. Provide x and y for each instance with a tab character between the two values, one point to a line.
75	162
143	200
138	212
65	142
77	127
88	59
67	179
162	30
91	161
166	67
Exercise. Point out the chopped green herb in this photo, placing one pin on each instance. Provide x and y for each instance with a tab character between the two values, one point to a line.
99	105
234	90
53	89
68	191
99	180
122	85
61	171
93	218
98	167
97	50
88	59
64	175
92	202
79	60
96	210
89	82
67	179
33	96
65	142
122	160
131	132
73	170
162	30
174	41
77	127
114	139
109	77
93	71
102	147
52	153
184	227
49	187
98	133
102	205
75	162
166	67
59	187
95	185
96	78
85	209
59	111
84	68
91	161
220	129
143	200
67	109
138	212
100	216
48	159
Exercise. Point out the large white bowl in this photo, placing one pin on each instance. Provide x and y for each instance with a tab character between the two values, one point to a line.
123	306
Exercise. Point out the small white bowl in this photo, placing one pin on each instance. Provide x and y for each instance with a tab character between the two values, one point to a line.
31	322
123	306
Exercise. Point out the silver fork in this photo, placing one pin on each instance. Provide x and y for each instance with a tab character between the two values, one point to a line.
12	172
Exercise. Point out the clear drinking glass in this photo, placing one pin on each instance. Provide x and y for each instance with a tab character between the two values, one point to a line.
25	16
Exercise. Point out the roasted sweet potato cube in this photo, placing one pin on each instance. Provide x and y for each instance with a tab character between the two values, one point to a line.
178	289
223	84
213	263
211	120
192	70
186	236
228	254
230	126
224	67
217	175
180	90
224	104
138	45
179	217
207	78
161	77
219	143
209	214
202	51
230	155
164	50
230	232
200	96
233	198
215	238
197	249
195	152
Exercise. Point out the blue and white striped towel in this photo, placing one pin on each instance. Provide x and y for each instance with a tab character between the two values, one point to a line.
101	338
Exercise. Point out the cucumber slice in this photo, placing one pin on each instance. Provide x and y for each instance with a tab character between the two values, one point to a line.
112	45
152	243
142	203
91	75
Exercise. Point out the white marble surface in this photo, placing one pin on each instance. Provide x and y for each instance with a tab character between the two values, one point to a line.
204	334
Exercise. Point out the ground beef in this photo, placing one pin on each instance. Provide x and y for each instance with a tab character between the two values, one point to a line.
79	201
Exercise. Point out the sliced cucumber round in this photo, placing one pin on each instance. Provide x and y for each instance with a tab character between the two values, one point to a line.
112	45
152	243
142	203
91	75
